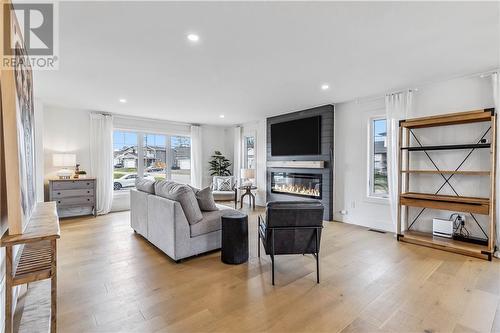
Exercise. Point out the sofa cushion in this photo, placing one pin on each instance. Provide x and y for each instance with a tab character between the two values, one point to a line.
206	200
184	195
210	222
145	185
223	195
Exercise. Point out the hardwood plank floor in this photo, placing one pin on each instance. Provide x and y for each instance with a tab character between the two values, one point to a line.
111	280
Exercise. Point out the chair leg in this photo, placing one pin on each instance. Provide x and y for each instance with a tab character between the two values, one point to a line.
317	256
258	242
272	254
317	267
272	268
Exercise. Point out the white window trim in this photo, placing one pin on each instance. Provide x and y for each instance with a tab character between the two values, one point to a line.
247	133
370	197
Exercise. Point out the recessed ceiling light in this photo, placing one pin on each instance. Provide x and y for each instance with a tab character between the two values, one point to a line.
193	37
123	100
325	86
221	116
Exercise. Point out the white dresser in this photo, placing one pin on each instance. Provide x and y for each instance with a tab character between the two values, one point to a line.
73	197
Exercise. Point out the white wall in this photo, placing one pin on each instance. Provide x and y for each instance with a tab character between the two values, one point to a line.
39	153
68	130
215	138
351	144
65	131
258	128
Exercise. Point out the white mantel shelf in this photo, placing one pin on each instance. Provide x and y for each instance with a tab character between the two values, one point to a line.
296	164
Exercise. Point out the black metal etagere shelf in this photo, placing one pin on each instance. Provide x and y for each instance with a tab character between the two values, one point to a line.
449	147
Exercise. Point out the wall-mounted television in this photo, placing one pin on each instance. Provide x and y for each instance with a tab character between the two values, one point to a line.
296	137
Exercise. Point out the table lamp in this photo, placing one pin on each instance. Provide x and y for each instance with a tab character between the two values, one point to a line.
247	174
64	161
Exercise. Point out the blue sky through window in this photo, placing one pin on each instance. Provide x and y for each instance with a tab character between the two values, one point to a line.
380	129
123	139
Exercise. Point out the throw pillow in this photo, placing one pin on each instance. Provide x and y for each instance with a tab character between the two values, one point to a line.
195	190
224	184
182	194
206	200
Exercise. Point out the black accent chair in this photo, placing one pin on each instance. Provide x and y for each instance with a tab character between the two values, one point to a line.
291	227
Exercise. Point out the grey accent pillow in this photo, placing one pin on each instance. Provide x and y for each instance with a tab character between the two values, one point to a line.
182	194
206	200
224	184
145	185
195	190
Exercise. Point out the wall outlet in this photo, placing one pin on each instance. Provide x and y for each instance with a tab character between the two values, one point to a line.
353	204
343	212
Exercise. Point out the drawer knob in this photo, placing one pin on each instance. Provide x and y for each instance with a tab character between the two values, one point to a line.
58	193
88	183
59	202
88	199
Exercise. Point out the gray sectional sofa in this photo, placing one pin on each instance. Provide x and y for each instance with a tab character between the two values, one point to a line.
165	213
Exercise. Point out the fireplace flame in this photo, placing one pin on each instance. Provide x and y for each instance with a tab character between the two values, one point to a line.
297	189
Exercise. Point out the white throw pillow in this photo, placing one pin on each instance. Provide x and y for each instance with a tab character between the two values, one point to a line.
224	184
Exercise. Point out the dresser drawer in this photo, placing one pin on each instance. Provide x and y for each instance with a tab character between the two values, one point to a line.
72	193
74	211
87	200
72	184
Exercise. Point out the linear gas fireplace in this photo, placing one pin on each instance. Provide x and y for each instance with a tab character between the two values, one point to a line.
297	184
299	157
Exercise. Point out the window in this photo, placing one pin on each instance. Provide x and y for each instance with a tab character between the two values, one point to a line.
155	156
124	160
180	168
378	158
152	156
249	152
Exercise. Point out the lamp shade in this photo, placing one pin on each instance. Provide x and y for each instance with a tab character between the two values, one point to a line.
248	173
63	160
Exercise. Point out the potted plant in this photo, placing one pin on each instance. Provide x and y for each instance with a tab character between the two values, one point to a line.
219	165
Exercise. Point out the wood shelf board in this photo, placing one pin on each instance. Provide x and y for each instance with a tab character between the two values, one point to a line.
35	260
451	245
449	172
449	119
43	225
446	202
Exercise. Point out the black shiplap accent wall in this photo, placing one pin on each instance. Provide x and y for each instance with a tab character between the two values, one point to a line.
326	112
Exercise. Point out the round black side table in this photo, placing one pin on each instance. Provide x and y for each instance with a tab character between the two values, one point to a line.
234	238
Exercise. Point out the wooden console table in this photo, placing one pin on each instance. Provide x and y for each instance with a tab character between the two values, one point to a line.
36	258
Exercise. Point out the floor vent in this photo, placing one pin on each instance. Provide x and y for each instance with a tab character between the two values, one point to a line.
379	231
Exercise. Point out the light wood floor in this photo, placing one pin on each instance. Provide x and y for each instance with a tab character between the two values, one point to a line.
111	280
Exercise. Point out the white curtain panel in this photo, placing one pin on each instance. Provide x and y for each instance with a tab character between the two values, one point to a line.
237	153
496	96
398	106
101	159
196	158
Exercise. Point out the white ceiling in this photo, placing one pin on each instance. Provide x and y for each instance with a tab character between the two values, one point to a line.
258	59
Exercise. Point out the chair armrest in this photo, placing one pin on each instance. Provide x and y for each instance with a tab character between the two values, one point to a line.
261	220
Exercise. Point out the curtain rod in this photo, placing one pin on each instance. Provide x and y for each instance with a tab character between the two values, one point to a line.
417	87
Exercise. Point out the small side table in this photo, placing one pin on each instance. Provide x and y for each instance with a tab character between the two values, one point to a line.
248	191
234	238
